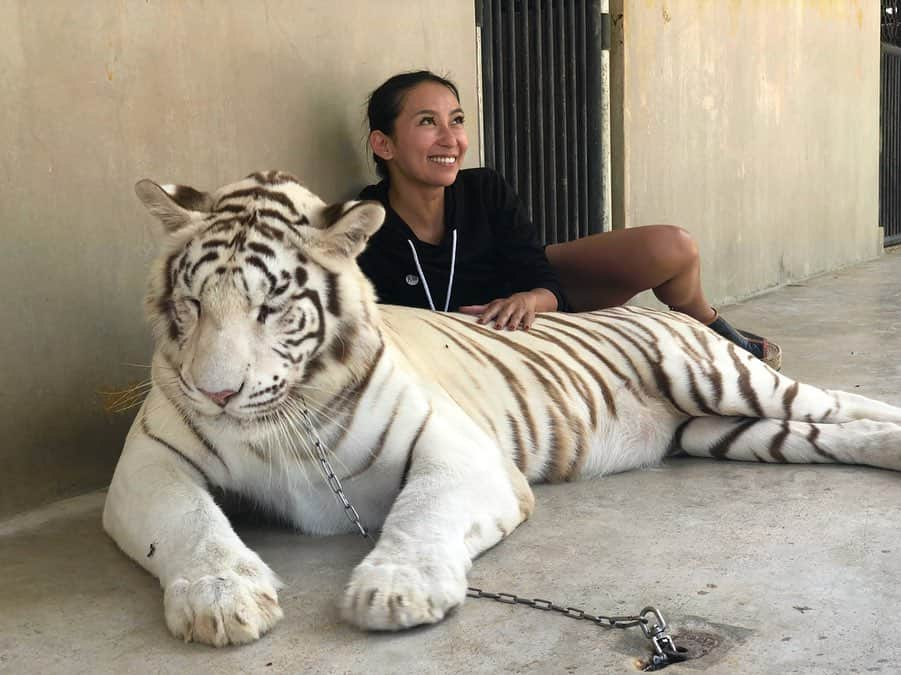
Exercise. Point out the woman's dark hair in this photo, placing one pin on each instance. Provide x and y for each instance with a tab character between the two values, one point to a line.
385	102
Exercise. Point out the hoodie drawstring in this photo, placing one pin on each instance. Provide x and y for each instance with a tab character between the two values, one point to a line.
425	282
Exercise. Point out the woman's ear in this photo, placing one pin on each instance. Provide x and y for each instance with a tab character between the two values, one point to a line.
381	144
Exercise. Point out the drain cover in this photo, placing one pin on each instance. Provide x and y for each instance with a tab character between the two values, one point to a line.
696	643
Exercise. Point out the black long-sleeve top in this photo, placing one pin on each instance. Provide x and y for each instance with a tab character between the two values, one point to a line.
497	250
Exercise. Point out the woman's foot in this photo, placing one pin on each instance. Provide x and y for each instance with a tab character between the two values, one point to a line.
768	352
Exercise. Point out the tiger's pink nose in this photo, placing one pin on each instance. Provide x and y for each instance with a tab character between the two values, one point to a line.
220	398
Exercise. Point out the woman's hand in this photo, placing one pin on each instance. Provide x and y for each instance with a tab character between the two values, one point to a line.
517	311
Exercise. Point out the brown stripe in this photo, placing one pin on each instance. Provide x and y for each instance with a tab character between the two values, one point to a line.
257	193
203	439
578	383
333	300
777	442
259	454
512	381
353	396
660	320
720	449
146	429
262	249
598	377
613	343
525	352
457	340
342	343
268	231
812	436
744	380
675	445
519	393
520	452
257	262
663	381
412	447
711	370
376	451
695	391
564	450
789	398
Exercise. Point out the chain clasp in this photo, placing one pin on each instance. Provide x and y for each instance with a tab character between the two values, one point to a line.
665	648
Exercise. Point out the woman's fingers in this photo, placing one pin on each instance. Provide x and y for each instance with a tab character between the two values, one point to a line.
528	319
507	313
491	311
505	316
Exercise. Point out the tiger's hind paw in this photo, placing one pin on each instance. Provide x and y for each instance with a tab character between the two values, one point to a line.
389	596
223	609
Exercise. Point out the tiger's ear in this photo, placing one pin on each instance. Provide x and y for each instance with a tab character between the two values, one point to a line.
346	227
176	206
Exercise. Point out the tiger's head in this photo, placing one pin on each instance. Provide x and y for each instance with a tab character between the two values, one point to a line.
256	294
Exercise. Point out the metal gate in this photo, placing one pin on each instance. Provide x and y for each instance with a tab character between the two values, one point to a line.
890	150
890	124
542	108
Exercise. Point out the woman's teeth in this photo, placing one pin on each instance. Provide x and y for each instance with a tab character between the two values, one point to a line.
443	160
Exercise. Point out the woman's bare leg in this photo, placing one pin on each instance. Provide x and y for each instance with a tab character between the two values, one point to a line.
605	270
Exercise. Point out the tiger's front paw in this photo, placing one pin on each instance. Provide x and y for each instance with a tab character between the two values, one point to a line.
392	596
222	609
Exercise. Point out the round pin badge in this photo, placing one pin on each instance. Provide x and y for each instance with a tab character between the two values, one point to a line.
412	280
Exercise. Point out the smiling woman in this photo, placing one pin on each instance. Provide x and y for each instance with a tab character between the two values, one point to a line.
461	240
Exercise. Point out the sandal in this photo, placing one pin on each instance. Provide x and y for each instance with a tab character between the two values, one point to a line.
772	353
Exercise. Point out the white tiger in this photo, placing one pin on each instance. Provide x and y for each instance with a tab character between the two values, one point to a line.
435	424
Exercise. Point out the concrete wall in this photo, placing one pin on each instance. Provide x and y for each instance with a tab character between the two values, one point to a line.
755	125
99	94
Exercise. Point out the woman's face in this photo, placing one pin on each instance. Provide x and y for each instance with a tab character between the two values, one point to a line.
429	141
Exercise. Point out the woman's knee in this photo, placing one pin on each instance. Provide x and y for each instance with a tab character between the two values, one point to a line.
676	244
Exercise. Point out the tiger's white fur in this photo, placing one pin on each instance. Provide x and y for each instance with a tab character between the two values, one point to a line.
435	424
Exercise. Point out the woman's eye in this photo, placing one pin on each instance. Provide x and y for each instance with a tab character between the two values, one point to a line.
459	119
426	121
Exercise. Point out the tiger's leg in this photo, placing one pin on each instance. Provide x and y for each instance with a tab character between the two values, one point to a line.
765	440
159	512
733	383
461	497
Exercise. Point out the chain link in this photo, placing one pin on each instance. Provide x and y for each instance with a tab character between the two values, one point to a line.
663	643
548	606
333	480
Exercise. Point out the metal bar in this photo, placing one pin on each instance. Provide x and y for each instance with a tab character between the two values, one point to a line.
572	148
488	100
512	156
498	45
550	124
539	215
524	127
582	116
563	106
594	96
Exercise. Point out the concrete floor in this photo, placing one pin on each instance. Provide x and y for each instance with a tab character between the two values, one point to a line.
788	569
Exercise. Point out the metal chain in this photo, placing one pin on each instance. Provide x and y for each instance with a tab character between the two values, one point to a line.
665	648
333	481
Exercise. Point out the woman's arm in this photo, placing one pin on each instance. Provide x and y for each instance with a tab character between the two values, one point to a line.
522	260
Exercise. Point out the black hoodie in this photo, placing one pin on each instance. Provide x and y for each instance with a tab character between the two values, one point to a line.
497	250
